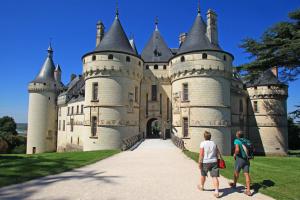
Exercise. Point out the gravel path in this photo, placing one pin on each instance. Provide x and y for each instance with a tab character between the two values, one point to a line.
156	170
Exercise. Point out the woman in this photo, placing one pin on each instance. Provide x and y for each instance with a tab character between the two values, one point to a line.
208	162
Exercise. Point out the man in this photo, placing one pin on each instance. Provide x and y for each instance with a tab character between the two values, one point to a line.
241	162
208	162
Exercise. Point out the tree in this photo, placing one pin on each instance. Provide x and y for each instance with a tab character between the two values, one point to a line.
279	46
293	134
8	131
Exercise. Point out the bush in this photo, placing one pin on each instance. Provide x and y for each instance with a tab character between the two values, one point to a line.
19	149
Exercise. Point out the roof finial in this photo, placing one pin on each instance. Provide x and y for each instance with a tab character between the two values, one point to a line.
198	9
50	50
117	10
156	23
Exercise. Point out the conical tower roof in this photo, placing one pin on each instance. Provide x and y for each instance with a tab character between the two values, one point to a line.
132	43
46	73
196	39
115	39
156	49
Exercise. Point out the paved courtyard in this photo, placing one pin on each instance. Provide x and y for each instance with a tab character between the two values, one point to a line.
156	170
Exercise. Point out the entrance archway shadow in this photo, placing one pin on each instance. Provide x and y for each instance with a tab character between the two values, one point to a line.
153	128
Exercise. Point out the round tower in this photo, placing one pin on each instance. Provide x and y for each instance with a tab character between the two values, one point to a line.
112	74
201	76
42	113
268	114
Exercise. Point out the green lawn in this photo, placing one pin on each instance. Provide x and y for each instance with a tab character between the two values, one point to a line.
278	177
16	168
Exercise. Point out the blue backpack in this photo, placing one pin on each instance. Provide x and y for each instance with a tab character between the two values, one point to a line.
248	148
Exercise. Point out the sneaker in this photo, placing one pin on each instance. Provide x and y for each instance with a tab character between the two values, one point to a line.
216	195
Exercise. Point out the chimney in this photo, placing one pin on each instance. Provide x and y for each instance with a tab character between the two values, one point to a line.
100	32
73	76
274	70
212	29
182	38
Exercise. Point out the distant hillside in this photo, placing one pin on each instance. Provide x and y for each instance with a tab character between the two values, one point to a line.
22	128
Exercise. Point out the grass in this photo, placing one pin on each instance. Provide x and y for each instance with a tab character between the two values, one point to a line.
17	168
278	177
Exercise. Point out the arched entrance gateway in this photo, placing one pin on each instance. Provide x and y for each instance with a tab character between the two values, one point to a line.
153	128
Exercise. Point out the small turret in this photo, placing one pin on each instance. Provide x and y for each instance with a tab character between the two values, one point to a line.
100	32
42	113
57	73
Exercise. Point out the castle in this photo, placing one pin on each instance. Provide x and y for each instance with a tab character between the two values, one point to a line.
162	91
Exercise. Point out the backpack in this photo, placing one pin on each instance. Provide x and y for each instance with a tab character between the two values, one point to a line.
248	148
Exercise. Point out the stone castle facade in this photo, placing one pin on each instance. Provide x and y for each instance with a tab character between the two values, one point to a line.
182	91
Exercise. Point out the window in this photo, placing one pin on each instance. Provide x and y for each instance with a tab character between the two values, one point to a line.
127	59
83	61
224	58
241	105
95	92
255	106
81	109
93	58
147	66
72	110
72	125
165	66
94	126
71	140
182	59
64	125
185	127
154	92
185	89
204	56
110	57
59	125
160	104
77	110
68	110
136	93
78	141
139	63
155	66
59	111
146	104
255	88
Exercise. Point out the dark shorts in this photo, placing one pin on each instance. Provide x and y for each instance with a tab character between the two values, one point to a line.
210	167
241	163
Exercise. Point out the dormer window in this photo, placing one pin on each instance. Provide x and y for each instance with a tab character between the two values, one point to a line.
182	59
93	58
127	59
204	56
110	57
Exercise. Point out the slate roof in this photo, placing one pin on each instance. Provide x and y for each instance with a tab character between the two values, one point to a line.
46	73
132	43
115	39
196	39
265	78
156	49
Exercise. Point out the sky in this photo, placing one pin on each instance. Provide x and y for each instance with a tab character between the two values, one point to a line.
27	26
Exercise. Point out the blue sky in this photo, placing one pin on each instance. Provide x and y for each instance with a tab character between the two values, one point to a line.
26	27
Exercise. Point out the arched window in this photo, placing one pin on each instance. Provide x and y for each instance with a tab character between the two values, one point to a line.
182	59
224	58
127	59
155	66
147	66
204	56
93	58
110	57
